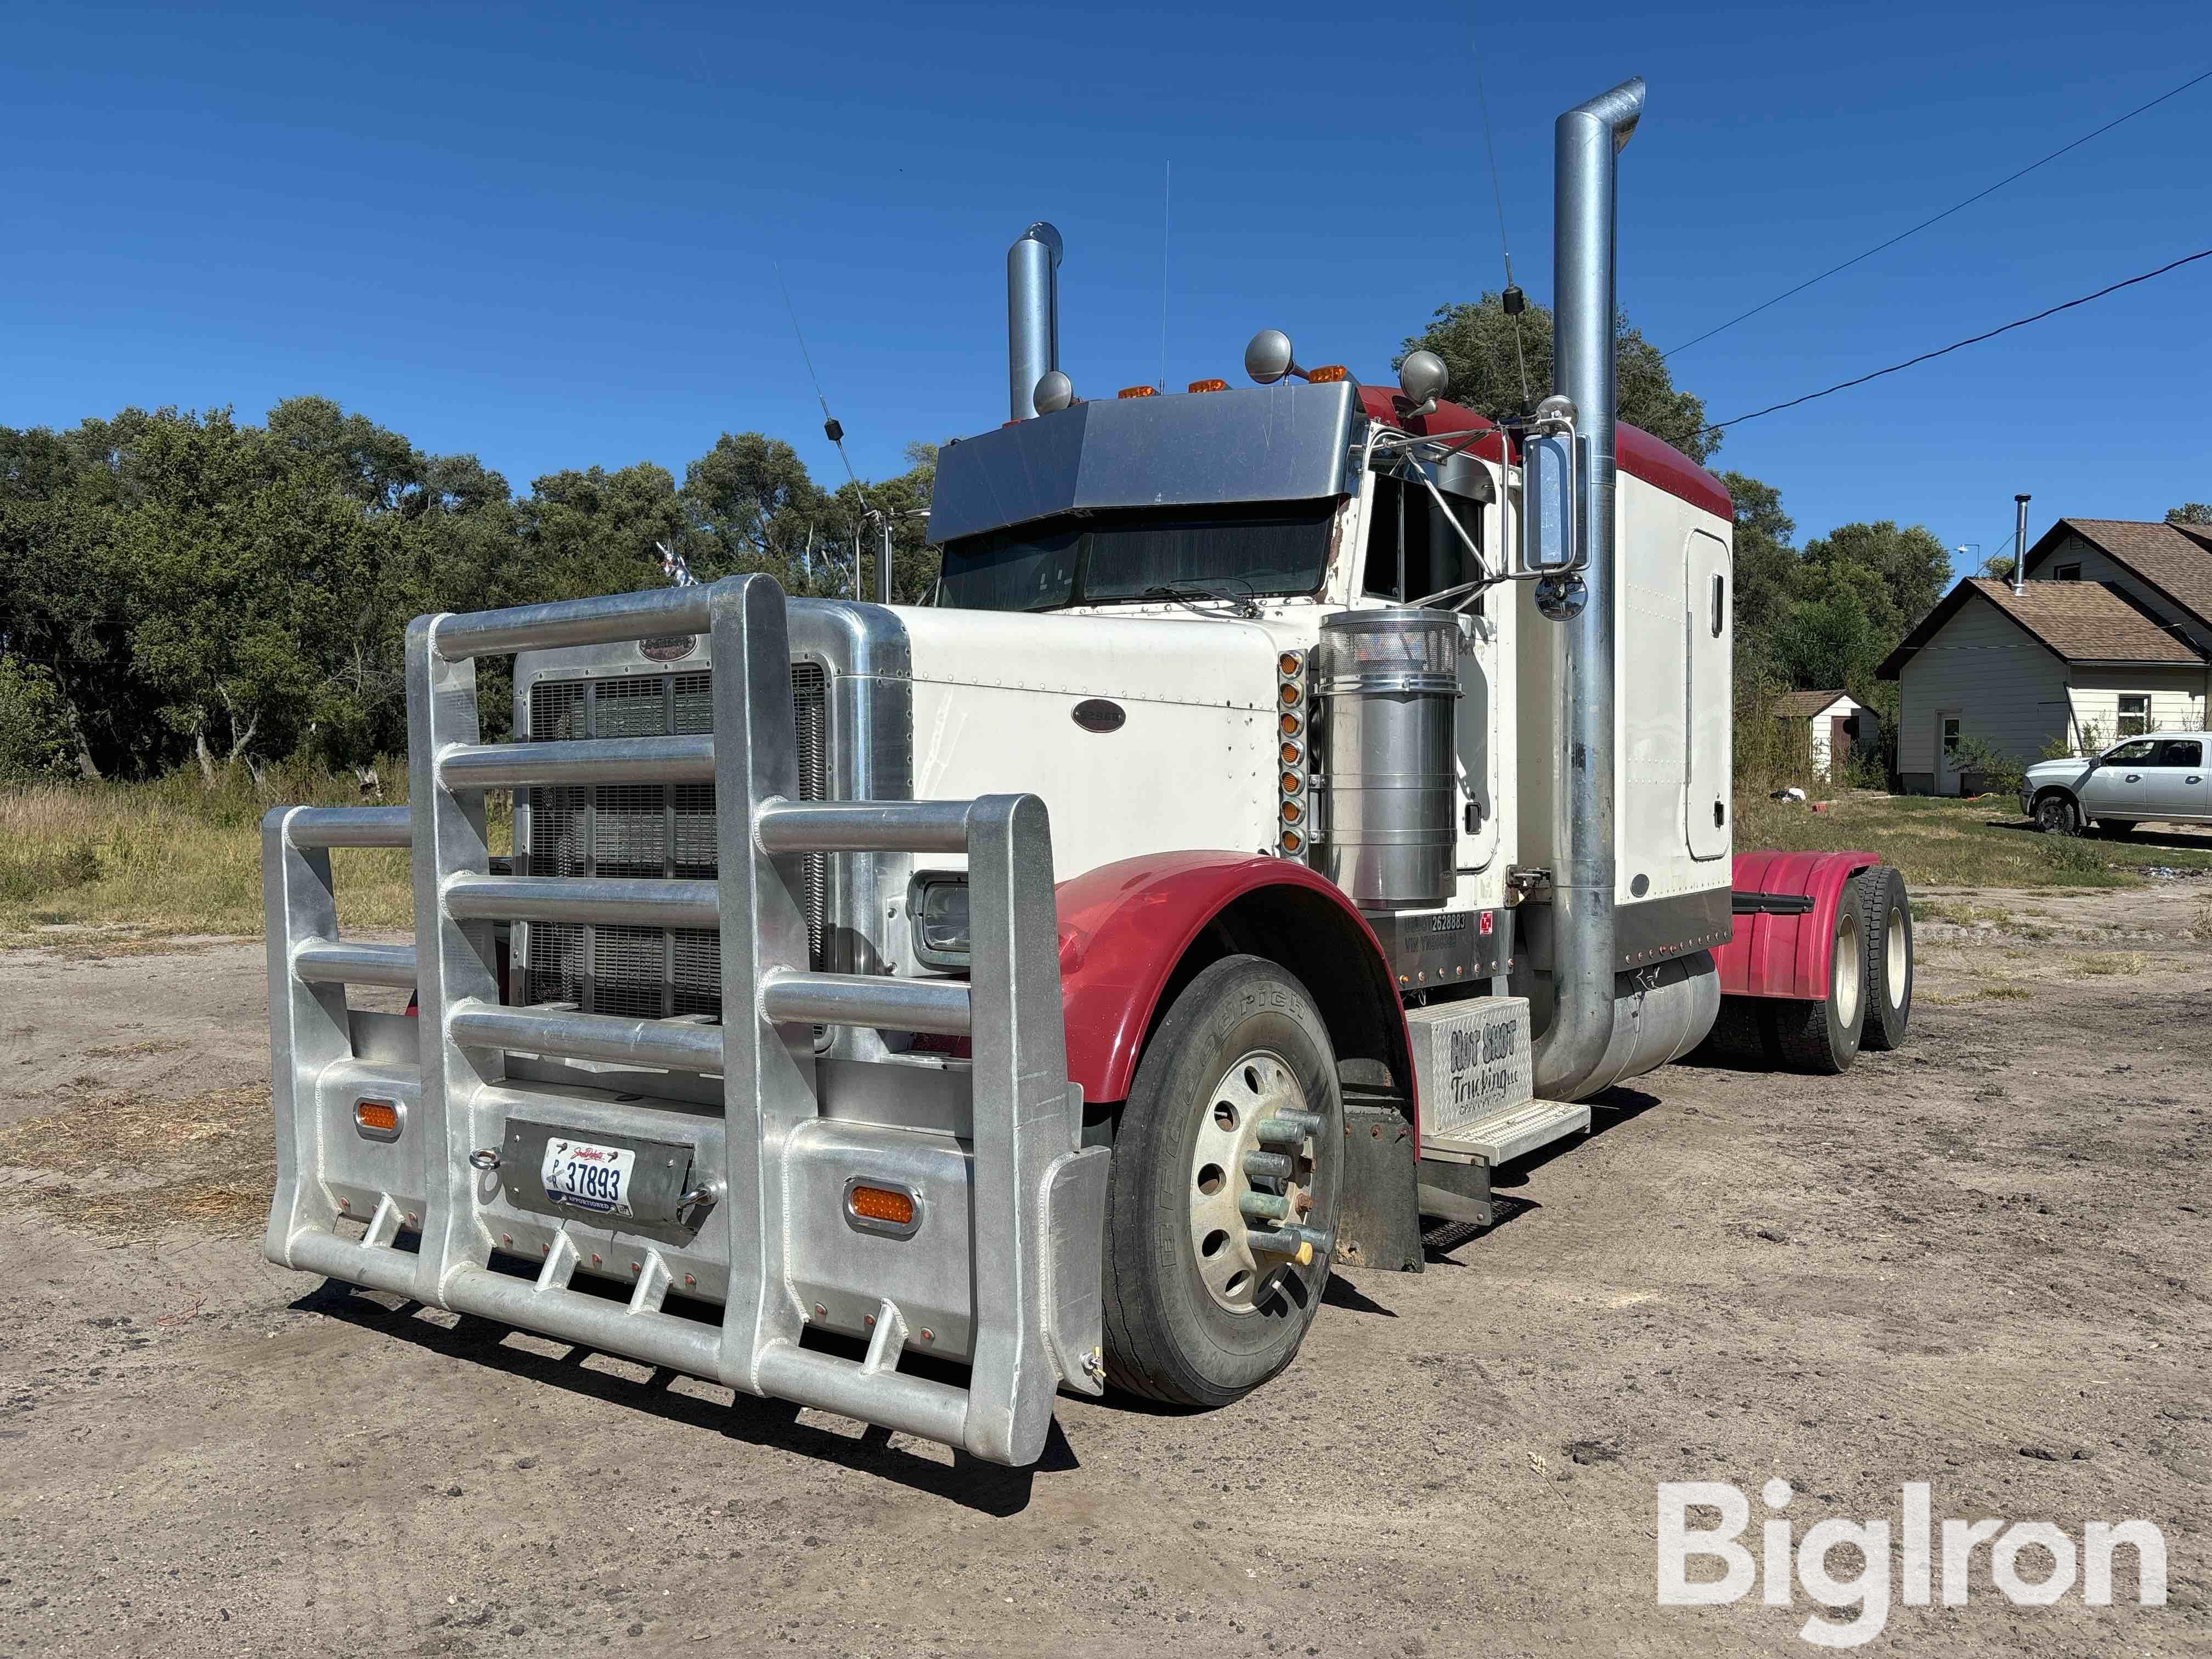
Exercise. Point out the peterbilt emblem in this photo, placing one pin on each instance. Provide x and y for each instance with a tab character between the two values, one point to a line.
1099	714
668	648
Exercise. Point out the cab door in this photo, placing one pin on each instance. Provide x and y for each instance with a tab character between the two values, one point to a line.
2174	785
2116	787
1708	695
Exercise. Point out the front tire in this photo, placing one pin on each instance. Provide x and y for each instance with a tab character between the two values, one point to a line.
1823	1037
1194	1315
2057	815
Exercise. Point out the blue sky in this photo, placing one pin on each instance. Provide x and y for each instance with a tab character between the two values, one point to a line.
544	233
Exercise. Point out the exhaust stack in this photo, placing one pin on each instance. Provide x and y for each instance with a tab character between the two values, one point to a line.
1032	316
1585	143
2019	544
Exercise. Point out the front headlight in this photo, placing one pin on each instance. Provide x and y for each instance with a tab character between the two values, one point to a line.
939	906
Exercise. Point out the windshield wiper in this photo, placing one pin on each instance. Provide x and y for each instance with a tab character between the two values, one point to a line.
1185	593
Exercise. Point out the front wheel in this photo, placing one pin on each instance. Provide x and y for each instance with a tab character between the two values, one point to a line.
2055	815
1227	1159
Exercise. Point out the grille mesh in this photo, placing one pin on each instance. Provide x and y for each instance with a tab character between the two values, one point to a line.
644	831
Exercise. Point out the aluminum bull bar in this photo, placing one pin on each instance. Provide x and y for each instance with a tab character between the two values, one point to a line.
1021	1235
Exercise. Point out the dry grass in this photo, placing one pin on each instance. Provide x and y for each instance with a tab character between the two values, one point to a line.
127	1165
176	857
1955	844
2128	962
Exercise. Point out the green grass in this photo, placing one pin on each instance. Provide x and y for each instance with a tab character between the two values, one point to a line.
173	857
1963	843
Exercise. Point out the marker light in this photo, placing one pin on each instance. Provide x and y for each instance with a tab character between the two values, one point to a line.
1292	783
1292	841
1327	373
1209	385
1292	754
882	1204
377	1119
1291	813
1290	693
1289	663
1290	724
1138	392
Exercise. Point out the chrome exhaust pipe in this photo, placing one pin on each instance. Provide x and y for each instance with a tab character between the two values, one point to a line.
1032	316
1584	189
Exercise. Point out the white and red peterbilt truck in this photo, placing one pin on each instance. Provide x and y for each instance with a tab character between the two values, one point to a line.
1299	800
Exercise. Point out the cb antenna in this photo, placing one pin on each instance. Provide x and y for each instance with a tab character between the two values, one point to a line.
1513	300
831	428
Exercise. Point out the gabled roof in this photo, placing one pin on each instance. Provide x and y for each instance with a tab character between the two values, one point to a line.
2075	622
2177	563
1805	705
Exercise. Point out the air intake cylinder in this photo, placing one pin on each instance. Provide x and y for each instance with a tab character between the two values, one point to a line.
1387	682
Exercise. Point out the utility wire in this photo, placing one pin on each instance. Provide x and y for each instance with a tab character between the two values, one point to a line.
1975	339
1945	214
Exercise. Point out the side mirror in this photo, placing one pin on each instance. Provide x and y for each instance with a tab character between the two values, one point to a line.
1548	493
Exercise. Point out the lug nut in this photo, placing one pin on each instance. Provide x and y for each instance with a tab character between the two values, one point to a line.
1268	1166
1263	1206
1287	1130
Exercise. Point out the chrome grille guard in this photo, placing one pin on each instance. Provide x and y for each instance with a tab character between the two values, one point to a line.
1033	1197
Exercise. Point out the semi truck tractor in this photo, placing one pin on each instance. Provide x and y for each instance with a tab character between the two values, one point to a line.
1297	800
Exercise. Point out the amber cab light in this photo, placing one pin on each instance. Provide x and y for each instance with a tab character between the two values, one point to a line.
1138	392
1327	373
1209	385
883	1204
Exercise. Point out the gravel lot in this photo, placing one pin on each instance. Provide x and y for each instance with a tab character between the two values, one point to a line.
1980	1262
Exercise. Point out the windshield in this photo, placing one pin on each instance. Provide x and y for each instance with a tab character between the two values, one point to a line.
1251	547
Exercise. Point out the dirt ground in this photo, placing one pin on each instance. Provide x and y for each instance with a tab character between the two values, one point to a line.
1981	1262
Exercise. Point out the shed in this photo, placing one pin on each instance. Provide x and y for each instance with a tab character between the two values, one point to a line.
1833	727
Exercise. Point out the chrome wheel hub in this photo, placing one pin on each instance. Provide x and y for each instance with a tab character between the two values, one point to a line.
1849	977
1893	959
1251	1183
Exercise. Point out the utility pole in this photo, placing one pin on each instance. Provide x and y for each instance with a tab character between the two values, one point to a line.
2020	543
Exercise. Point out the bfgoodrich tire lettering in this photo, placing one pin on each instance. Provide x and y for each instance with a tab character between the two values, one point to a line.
1168	1337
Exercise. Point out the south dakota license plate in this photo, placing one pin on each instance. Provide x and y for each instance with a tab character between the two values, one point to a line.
588	1176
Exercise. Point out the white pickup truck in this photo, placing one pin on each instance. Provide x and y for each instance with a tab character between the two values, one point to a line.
2161	776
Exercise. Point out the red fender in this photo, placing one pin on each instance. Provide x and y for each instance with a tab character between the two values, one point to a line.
1126	927
1779	955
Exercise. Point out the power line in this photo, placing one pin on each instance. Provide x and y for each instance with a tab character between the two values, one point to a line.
1945	214
1974	339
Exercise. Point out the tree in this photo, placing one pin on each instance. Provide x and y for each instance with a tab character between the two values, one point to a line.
2195	513
35	739
1502	366
1765	564
1900	573
751	506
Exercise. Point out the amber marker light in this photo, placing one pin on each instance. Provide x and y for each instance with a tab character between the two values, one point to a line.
1289	663
377	1119
1290	725
1209	385
1138	392
1326	374
882	1204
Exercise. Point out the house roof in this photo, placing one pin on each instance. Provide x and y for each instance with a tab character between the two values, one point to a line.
1804	705
2176	561
2075	622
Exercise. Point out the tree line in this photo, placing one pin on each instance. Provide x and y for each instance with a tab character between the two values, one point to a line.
181	589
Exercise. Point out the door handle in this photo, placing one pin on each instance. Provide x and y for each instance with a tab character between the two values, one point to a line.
2193	778
2134	777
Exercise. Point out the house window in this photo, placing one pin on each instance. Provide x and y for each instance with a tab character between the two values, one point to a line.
2135	713
2067	573
1950	734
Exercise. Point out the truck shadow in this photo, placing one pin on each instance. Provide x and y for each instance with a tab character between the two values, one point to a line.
2173	839
1608	1111
988	1488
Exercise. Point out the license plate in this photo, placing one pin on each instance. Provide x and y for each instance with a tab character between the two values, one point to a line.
588	1176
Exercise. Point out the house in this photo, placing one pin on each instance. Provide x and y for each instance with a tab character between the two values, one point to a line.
2110	634
1830	720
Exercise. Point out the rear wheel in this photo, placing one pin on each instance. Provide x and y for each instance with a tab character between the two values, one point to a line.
1204	1301
1824	1037
1888	918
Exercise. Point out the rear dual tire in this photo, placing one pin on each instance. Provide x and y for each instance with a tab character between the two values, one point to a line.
1870	1000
